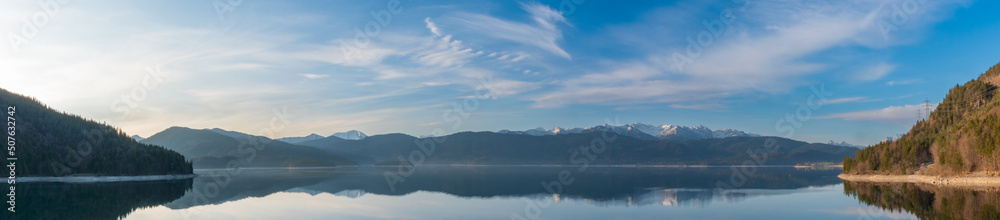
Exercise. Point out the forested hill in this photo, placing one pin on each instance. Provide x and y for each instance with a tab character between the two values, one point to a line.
961	136
50	143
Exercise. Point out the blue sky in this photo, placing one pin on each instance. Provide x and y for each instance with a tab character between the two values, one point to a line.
146	66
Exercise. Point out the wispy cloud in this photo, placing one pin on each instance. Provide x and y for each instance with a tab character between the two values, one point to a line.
710	107
904	115
433	27
850	100
293	55
314	76
904	82
762	51
873	72
543	33
445	53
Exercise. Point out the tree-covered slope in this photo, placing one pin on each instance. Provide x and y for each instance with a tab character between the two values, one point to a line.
50	143
962	135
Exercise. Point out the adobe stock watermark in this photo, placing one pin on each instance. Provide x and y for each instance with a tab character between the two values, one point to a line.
75	156
426	146
372	29
568	7
714	29
128	101
247	153
35	22
223	7
581	157
901	12
786	125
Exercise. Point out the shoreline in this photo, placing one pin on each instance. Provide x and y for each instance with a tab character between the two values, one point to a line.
591	165
959	181
101	179
821	166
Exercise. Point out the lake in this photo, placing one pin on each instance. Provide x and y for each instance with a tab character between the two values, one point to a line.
504	192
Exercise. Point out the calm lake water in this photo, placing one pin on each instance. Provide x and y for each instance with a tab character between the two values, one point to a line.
443	192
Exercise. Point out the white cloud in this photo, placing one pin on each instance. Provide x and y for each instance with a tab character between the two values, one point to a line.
904	82
436	83
709	107
543	33
905	115
431	26
850	100
334	53
873	72
520	56
503	87
742	60
314	76
445	53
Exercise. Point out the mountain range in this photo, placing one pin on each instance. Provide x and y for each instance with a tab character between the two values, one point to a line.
217	148
179	149
347	135
644	132
845	144
489	148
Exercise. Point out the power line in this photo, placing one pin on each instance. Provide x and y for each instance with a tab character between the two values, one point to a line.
920	115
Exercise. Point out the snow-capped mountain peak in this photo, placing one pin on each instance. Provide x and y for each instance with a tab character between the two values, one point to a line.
350	135
724	133
844	144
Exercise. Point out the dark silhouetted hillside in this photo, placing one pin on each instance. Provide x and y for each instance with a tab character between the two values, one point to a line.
50	143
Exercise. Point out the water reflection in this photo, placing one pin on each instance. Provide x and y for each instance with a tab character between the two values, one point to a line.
929	201
92	200
608	186
217	194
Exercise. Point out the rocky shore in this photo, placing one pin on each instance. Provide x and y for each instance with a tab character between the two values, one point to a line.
959	181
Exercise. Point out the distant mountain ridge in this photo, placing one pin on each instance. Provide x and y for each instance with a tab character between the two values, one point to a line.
296	140
634	144
644	132
845	144
347	135
638	130
491	148
215	148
